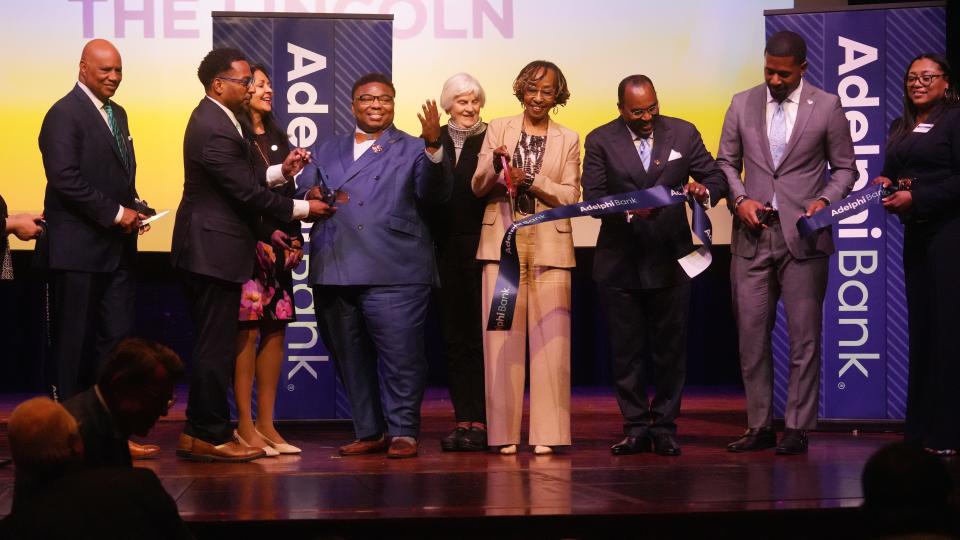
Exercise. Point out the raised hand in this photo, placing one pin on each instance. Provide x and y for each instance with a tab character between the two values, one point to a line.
429	121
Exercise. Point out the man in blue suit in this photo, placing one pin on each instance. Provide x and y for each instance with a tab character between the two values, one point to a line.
372	264
92	226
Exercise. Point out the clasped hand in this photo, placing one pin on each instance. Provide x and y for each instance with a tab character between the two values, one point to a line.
899	202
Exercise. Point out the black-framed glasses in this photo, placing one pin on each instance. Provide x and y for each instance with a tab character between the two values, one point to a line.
368	99
546	93
245	82
651	110
925	79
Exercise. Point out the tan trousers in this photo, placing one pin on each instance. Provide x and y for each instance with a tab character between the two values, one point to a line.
543	311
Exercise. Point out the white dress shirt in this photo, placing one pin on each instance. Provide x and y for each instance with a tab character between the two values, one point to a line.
790	106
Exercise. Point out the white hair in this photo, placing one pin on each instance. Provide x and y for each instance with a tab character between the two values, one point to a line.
458	85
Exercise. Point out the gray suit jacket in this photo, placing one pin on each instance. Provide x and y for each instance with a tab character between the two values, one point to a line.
821	135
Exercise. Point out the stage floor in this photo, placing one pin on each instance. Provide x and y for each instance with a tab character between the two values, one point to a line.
579	484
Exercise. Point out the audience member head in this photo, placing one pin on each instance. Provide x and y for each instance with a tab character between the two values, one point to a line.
540	86
137	383
226	77
785	61
906	490
101	69
373	102
44	439
638	103
462	97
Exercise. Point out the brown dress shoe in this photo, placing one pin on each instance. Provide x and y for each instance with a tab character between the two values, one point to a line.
142	451
402	447
360	447
231	452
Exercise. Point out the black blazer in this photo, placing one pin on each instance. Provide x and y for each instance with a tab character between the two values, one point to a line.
275	152
933	159
120	502
462	214
217	222
87	182
643	254
103	445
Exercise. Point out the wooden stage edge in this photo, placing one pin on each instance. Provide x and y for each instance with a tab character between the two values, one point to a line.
580	492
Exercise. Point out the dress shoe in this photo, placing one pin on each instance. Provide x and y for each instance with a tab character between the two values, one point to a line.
940	452
451	443
402	447
754	439
542	450
280	447
793	443
508	450
631	445
232	452
268	450
142	451
360	447
474	440
665	444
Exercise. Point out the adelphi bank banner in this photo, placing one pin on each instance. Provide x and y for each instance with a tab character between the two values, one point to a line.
861	55
313	61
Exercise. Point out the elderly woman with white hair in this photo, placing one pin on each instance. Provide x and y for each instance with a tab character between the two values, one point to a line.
456	231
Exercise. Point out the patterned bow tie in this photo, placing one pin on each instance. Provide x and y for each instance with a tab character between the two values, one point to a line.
361	137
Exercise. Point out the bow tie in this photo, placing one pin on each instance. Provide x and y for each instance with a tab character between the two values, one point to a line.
361	137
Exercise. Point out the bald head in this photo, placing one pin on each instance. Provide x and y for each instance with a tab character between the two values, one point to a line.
43	435
100	68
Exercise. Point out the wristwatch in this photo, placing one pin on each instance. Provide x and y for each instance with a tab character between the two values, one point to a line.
434	143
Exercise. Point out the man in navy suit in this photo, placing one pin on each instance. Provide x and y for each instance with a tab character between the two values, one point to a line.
214	238
645	289
92	227
372	264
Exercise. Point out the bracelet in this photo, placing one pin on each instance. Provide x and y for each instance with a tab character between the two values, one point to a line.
433	144
739	200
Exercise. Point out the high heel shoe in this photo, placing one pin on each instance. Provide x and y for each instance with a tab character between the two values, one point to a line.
268	451
282	448
508	449
542	450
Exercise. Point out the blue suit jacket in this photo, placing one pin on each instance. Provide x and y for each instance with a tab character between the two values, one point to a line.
379	237
87	182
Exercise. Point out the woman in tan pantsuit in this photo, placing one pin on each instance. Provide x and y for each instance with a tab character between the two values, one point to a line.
545	167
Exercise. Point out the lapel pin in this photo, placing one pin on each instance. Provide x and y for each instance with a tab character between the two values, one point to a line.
656	162
376	148
809	102
273	148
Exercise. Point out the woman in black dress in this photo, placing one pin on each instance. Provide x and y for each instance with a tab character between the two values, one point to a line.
266	303
923	154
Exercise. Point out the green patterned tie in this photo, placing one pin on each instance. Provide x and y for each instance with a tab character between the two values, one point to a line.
117	136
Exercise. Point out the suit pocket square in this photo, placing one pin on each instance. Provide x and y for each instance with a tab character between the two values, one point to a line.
674	155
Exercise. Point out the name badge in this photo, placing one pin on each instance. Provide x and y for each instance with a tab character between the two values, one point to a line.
922	128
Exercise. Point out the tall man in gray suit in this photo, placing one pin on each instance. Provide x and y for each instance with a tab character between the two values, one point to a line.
781	135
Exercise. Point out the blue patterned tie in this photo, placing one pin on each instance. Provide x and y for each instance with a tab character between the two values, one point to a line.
115	129
645	152
778	134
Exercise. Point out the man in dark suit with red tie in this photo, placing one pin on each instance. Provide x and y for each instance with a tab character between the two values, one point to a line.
92	226
214	238
644	287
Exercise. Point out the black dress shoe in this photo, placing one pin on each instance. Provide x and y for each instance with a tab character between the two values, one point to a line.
793	443
631	445
754	439
474	440
451	443
664	444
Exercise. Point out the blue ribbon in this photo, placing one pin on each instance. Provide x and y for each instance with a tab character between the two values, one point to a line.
508	279
855	203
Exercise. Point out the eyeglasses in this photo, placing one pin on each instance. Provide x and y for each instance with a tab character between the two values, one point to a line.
925	80
368	99
651	110
546	93
245	82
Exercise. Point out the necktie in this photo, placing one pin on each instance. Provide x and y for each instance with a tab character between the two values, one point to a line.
361	137
778	134
645	152
115	129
